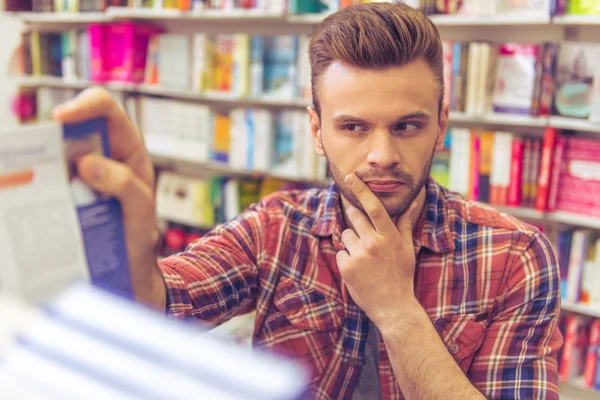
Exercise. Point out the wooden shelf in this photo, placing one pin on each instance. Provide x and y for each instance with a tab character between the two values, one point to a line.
581	220
591	310
521	120
207	97
575	124
491	20
576	20
576	390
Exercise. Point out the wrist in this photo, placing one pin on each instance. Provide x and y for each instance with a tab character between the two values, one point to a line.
403	320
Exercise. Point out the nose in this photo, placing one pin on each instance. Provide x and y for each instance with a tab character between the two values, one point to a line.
382	153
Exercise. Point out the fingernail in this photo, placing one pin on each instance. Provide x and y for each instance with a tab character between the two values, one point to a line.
350	180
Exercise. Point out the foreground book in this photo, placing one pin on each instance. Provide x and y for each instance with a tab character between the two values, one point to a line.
53	228
122	350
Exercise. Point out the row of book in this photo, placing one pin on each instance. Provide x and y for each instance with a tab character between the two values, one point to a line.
580	355
240	64
557	173
480	77
201	203
278	7
271	7
246	139
545	79
578	253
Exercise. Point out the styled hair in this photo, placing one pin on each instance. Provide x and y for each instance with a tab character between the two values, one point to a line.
375	36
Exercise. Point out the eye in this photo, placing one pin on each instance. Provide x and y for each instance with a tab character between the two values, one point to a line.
352	128
407	127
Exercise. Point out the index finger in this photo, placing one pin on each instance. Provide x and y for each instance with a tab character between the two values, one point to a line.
126	142
371	204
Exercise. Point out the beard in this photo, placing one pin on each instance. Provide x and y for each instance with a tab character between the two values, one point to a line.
395	203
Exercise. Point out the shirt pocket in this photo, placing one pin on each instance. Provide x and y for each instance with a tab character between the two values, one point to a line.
307	308
304	324
463	335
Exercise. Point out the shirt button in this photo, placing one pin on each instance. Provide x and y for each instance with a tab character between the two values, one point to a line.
353	362
453	348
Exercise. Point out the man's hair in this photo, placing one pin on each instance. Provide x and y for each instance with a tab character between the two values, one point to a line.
375	36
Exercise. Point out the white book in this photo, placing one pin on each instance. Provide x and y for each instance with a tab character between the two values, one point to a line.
473	66
42	196
482	78
239	140
576	264
231	196
460	156
263	136
174	61
501	159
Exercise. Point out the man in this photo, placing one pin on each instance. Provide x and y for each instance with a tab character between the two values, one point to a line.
385	285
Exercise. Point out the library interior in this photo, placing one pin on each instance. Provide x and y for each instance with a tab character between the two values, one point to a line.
290	199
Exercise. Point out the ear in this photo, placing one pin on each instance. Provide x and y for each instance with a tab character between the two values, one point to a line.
315	130
442	127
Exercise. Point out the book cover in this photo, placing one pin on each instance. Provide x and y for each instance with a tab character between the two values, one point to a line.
516	172
515	78
220	147
475	162
563	247
574	77
574	348
579	246
280	66
99	67
485	165
591	360
547	86
546	163
556	172
500	173
174	61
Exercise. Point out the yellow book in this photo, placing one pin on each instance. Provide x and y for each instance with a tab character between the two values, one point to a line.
221	138
241	64
36	57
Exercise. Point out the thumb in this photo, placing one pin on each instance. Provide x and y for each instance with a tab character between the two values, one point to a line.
404	223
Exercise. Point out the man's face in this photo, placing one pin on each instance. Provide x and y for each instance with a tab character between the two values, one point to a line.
383	126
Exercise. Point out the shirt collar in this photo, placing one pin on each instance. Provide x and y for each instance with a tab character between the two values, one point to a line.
432	232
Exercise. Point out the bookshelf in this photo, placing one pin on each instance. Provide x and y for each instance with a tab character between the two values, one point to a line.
504	28
490	119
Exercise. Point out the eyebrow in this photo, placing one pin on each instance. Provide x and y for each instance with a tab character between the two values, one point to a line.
348	119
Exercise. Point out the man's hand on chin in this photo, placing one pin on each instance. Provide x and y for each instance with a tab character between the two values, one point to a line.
378	263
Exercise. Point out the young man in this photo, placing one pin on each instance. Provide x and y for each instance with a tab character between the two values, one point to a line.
385	285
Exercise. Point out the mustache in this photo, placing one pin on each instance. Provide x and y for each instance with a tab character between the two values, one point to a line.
397	174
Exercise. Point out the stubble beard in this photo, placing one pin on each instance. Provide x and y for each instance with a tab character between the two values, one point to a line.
395	208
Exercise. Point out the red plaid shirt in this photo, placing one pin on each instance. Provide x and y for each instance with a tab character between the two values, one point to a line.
489	283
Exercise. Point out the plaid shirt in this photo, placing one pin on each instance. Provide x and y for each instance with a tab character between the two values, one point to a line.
489	283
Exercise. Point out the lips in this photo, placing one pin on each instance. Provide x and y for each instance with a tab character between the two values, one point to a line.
384	186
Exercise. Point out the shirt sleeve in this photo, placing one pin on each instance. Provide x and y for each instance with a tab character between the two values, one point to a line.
517	359
216	277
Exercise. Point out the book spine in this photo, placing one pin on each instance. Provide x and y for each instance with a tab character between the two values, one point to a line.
516	172
475	161
541	203
556	172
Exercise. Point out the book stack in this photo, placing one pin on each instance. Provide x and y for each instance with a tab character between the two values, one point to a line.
579	357
553	173
125	351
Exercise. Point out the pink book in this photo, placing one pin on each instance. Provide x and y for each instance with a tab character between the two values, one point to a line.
574	348
475	161
516	172
591	360
556	172
128	48
99	68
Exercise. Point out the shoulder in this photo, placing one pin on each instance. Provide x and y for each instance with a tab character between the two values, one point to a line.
484	216
302	203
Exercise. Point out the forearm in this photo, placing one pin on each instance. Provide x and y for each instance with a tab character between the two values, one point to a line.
422	365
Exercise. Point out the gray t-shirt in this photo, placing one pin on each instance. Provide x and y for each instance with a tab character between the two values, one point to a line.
368	387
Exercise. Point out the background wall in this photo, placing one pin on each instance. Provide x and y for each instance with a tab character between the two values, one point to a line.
10	29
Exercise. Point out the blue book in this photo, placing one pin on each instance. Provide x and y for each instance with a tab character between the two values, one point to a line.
280	69
99	215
